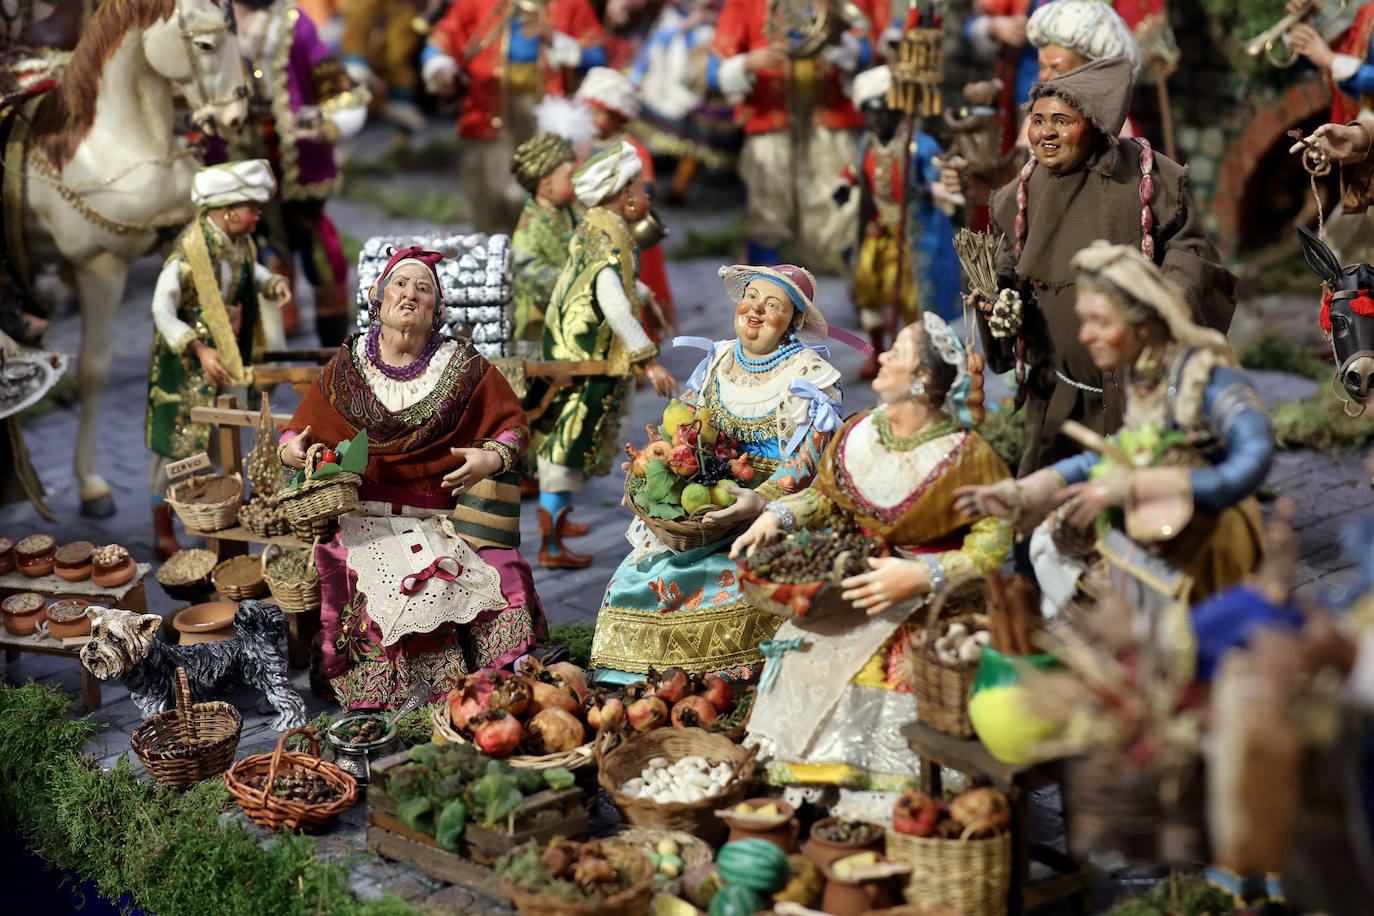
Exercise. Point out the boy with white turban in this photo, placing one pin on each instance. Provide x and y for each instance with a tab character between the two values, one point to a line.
594	314
209	325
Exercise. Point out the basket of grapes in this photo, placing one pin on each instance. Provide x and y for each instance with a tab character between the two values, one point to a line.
798	577
682	475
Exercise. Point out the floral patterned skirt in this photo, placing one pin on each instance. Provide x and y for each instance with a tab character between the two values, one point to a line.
681	609
368	675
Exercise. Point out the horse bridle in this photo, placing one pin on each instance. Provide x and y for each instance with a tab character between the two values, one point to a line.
188	38
1344	365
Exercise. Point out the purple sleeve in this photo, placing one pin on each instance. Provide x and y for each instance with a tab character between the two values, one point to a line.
308	41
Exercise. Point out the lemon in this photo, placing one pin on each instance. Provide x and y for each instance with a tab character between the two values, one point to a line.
1004	726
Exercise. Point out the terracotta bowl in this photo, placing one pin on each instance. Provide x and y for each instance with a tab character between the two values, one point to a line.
22	612
73	561
63	620
780	830
114	576
6	556
209	622
822	851
34	555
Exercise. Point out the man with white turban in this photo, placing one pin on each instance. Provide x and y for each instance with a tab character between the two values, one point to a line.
1071	33
594	315
209	326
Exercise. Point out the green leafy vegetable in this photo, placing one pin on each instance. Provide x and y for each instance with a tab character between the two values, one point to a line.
426	753
494	796
559	778
417	813
453	820
659	481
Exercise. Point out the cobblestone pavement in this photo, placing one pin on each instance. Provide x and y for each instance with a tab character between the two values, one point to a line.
1327	489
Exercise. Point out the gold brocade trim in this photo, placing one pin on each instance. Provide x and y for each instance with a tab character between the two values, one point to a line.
211	302
745	429
159	397
698	641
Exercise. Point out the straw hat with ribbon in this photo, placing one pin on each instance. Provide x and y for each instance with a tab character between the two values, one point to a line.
799	284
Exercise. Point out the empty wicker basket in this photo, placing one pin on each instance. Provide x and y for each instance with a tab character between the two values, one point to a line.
190	742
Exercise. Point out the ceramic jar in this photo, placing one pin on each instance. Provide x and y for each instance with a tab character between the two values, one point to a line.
72	562
855	896
780	830
22	613
6	556
68	618
35	554
1002	720
356	757
822	851
113	566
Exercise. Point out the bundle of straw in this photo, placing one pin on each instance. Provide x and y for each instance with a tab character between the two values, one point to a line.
978	256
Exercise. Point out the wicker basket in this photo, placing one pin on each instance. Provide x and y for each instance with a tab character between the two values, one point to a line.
256	589
697	818
1120	807
970	876
276	528
632	901
322	498
190	742
214	516
268	810
293	596
193	581
683	534
693	852
320	529
941	688
576	759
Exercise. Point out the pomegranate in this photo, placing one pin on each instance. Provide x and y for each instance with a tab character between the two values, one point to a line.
553	731
693	711
672	685
605	712
471	698
548	690
718	692
573	676
512	694
647	713
497	733
915	814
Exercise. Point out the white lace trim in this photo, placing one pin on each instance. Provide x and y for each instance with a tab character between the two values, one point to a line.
384	551
750	402
643	542
884	477
396	395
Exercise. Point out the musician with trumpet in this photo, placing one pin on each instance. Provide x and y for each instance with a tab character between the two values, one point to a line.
782	61
1347	65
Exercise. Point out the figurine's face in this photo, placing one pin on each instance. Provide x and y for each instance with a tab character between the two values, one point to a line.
880	119
898	366
763	316
241	219
1111	342
1056	60
634	200
1060	137
556	187
606	122
409	299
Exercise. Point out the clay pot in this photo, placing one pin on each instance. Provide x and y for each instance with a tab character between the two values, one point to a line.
210	622
35	554
6	556
852	897
22	613
114	575
781	831
822	852
68	618
73	562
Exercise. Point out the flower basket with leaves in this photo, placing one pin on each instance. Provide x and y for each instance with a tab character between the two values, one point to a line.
327	486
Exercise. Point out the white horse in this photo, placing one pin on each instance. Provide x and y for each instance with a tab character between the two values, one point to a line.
105	169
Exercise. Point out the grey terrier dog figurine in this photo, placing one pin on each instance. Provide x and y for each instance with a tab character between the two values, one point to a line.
125	644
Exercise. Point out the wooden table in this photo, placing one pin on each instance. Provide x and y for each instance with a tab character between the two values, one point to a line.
1073	879
130	596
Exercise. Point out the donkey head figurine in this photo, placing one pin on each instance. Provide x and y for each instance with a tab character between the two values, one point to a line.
1347	316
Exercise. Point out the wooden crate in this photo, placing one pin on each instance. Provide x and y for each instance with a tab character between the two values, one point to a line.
545	815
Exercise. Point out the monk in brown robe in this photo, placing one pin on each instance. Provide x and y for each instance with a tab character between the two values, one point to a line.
1086	183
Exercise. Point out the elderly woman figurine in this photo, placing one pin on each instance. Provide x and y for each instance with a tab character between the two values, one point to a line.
833	712
209	324
594	315
1196	444
409	593
781	400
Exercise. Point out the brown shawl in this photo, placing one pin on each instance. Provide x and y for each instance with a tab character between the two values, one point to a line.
471	402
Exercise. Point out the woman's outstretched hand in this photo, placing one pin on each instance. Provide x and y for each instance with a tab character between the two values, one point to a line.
889	580
748	505
763	532
475	465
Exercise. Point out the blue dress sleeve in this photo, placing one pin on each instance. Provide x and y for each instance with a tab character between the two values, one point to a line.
1077	468
1239	420
1362	83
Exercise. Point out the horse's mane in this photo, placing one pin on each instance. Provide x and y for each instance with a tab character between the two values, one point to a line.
66	114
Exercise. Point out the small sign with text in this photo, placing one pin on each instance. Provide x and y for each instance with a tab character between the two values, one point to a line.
185	466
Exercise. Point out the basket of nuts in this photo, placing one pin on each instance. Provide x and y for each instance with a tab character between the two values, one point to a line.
290	789
186	574
799	576
113	566
264	516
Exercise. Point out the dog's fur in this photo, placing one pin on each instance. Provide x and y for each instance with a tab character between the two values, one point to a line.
125	644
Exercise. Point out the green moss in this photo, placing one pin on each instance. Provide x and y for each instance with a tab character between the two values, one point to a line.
578	638
1279	353
1005	431
1319	422
438	154
1187	895
172	853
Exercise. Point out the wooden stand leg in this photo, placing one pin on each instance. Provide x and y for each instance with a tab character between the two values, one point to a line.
11	655
90	690
300	632
1020	851
930	776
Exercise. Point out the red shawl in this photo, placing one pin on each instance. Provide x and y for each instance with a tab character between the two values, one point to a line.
471	402
1355	42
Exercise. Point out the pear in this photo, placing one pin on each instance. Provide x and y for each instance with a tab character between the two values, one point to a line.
694	496
720	496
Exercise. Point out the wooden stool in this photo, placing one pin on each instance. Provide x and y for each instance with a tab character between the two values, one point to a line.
1072	879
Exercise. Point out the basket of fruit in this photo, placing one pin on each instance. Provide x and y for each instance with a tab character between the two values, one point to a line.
672	853
683	474
566	878
327	486
959	853
798	577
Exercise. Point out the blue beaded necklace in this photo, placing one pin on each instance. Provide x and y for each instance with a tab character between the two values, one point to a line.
764	365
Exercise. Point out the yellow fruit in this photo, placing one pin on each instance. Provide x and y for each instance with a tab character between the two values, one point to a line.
709	433
843	868
667	847
770	810
720	496
1006	729
744	808
675	414
694	496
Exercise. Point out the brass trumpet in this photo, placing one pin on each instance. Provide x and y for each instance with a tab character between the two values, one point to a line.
1263	44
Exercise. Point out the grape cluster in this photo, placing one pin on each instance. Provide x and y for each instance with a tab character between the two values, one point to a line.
714	469
809	556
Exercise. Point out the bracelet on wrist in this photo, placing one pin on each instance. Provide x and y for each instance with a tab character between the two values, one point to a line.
936	568
786	520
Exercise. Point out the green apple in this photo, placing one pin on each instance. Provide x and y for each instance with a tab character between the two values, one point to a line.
694	496
721	496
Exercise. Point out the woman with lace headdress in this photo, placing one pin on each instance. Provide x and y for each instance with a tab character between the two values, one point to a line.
833	710
1195	445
